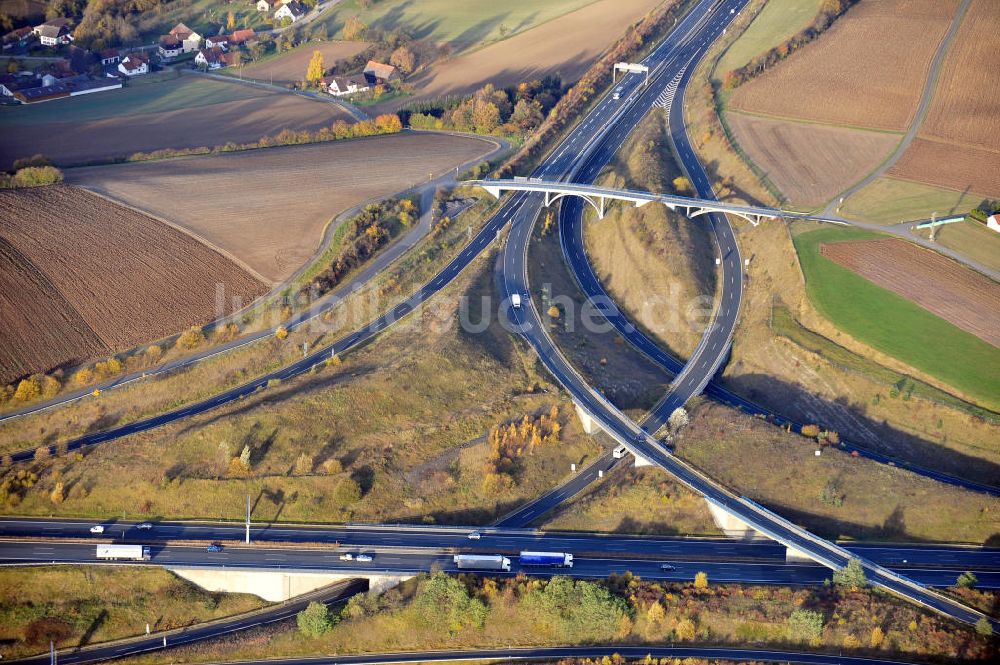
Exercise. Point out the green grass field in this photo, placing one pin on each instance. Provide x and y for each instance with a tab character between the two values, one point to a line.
973	240
778	20
894	325
890	201
461	23
139	98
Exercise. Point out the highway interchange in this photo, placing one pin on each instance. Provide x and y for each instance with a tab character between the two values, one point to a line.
581	155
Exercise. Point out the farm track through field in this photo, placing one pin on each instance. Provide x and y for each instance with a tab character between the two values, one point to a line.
957	294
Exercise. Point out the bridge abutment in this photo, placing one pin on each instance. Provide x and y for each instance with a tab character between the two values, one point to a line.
277	585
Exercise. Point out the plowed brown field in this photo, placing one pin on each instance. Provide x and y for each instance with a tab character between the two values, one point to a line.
810	163
957	143
83	277
959	295
241	121
291	67
962	168
269	207
868	70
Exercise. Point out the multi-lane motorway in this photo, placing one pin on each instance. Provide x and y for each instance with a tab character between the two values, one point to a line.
412	548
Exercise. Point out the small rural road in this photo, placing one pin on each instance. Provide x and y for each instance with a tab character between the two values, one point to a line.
833	207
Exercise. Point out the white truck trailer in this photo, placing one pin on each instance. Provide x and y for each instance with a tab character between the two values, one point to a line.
123	552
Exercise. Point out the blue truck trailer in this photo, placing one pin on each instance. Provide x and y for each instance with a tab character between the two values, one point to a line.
556	559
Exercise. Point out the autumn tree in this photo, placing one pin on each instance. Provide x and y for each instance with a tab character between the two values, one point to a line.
805	625
877	637
404	59
191	338
316	69
984	628
230	22
701	580
967	580
682	185
28	389
58	494
485	116
354	28
685	630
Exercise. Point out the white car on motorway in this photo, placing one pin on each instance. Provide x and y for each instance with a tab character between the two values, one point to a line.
347	557
97	528
475	535
363	558
145	526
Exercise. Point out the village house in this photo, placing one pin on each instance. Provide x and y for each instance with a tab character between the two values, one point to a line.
54	33
214	58
134	64
347	85
379	73
170	47
190	39
18	38
293	10
11	83
218	40
993	222
242	36
267	5
110	56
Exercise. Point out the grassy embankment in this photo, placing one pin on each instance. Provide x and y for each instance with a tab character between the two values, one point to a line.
441	612
84	605
894	325
634	249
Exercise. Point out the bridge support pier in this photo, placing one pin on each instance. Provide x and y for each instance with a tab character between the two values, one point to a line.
591	426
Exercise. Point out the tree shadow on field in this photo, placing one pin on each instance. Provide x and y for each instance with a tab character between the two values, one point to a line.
296	388
850	420
93	628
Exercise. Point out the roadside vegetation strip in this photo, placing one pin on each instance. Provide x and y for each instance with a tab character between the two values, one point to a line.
83	605
441	612
894	325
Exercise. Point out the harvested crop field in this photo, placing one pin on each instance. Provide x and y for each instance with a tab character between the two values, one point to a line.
810	163
567	46
92	132
269	208
291	66
961	296
868	70
958	167
956	145
98	278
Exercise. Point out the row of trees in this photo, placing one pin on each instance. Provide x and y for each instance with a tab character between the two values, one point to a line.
366	232
829	11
